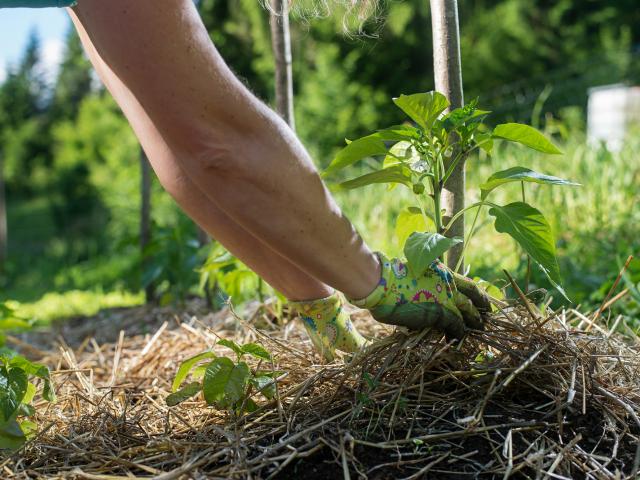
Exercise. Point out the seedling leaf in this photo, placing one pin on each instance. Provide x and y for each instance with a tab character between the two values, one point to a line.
11	435
186	366
528	226
256	351
185	393
410	221
520	174
232	345
401	152
423	248
398	133
525	135
265	385
368	146
13	387
224	383
423	108
394	174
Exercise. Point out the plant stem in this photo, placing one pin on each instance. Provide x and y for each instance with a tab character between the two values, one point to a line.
423	209
437	192
457	215
468	239
528	276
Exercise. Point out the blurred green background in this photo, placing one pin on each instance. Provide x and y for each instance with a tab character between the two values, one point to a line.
71	165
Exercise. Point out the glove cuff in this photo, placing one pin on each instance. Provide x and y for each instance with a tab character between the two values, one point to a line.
378	293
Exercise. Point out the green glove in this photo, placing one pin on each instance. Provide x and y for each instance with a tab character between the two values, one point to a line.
329	326
436	299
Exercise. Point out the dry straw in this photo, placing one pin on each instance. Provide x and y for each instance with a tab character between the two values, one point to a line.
543	397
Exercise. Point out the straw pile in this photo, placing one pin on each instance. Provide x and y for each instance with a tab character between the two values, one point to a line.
530	397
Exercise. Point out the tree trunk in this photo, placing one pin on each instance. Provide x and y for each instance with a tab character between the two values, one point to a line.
281	44
145	217
448	81
3	219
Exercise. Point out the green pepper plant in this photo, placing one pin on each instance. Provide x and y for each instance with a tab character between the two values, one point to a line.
423	155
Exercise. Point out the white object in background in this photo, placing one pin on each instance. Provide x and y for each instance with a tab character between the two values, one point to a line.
611	110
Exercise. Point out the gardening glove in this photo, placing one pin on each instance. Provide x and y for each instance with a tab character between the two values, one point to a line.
329	326
437	299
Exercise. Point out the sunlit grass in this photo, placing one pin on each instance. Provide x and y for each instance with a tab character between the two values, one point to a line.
55	306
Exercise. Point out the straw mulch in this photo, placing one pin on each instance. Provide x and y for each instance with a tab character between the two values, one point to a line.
530	397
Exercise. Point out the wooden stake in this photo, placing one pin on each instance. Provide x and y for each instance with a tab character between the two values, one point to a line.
281	44
447	71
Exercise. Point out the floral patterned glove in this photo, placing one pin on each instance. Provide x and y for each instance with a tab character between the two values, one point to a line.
434	299
329	326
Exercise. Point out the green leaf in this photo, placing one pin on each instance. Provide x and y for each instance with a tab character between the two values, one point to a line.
525	135
401	152
423	108
462	115
394	174
232	345
29	428
398	133
368	146
48	391
237	384
198	372
224	383
183	394
216	377
37	370
186	366
520	174
13	387
265	385
423	248
14	323
29	394
11	435
29	367
528	226
250	406
408	222
257	351
484	141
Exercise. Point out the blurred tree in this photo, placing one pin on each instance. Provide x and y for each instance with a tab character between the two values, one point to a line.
73	83
23	99
240	30
97	174
21	102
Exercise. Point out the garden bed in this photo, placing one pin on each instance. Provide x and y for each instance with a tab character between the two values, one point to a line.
530	396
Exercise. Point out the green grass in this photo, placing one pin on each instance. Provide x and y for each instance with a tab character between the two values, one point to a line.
54	306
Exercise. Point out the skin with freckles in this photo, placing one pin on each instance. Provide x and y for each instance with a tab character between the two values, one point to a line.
271	266
229	160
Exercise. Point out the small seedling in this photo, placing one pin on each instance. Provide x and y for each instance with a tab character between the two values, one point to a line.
225	383
423	155
17	392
